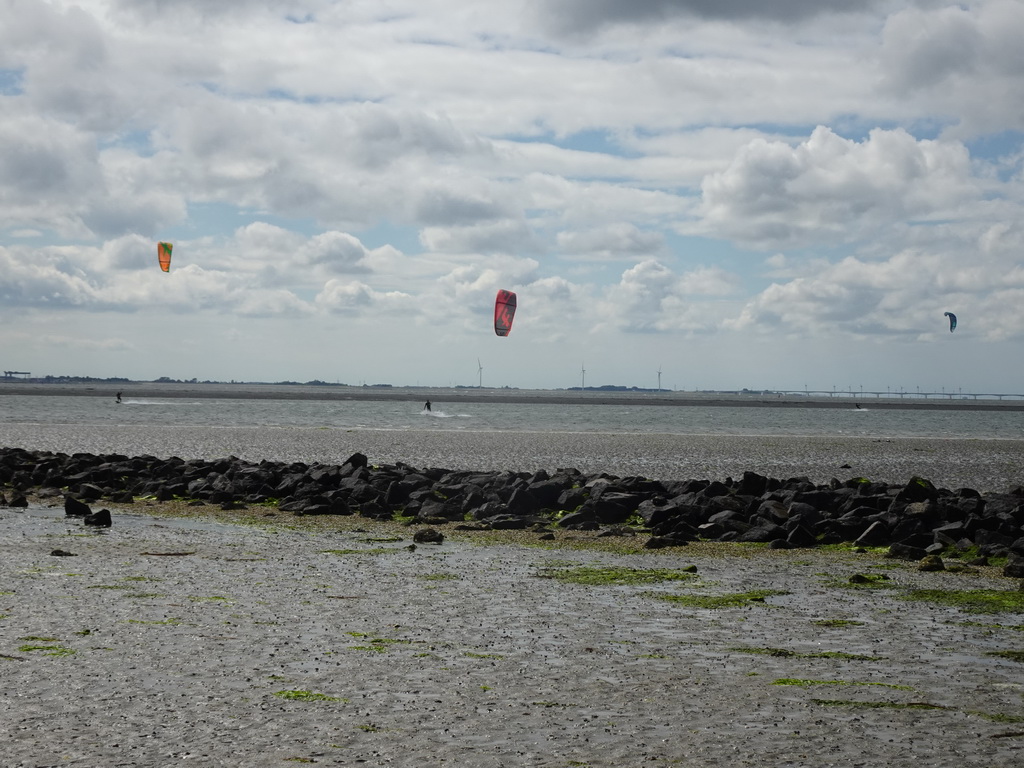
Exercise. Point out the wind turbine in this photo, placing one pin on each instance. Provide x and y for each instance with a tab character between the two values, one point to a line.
480	374
583	377
659	378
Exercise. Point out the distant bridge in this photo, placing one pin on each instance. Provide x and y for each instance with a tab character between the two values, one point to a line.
901	394
16	374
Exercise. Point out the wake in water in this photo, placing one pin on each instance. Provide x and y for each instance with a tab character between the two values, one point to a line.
158	402
437	414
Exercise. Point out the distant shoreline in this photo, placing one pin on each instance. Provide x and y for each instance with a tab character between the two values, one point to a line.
311	392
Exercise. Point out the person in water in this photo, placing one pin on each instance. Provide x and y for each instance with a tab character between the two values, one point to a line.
426	406
118	400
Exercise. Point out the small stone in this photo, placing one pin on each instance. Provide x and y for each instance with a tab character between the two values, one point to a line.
428	536
100	519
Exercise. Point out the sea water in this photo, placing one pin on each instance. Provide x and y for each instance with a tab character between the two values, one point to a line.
513	417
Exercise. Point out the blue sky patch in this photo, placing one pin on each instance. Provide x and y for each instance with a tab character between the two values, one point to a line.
11	82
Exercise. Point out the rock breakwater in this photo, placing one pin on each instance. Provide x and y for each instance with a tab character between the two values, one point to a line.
913	520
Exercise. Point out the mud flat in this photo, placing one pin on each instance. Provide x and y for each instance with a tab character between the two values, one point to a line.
164	640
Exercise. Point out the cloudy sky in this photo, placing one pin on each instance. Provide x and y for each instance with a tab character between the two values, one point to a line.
734	192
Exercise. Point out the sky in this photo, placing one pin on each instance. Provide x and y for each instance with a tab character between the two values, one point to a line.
705	194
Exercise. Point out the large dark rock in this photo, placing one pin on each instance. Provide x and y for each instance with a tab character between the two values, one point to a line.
317	505
515	522
661	542
488	510
523	502
401	490
98	519
680	531
428	536
612	507
90	492
763	533
572	498
434	511
547	492
75	508
356	460
801	537
715	489
903	551
730	519
584	520
752	484
1014	567
774	510
656	511
916	489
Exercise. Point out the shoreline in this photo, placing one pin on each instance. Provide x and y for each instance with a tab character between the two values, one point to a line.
516	396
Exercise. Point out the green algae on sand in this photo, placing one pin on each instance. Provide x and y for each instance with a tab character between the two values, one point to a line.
972	600
595	576
730	600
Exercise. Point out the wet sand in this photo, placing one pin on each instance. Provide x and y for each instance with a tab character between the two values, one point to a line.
165	641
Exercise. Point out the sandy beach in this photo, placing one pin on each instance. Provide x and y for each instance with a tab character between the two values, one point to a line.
258	643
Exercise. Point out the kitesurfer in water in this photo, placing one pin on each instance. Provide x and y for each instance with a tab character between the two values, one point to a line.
118	400
426	406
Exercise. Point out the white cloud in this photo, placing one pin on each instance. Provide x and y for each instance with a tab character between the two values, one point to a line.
272	303
774	195
508	236
650	297
354	297
902	297
48	173
46	281
337	252
615	241
963	61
